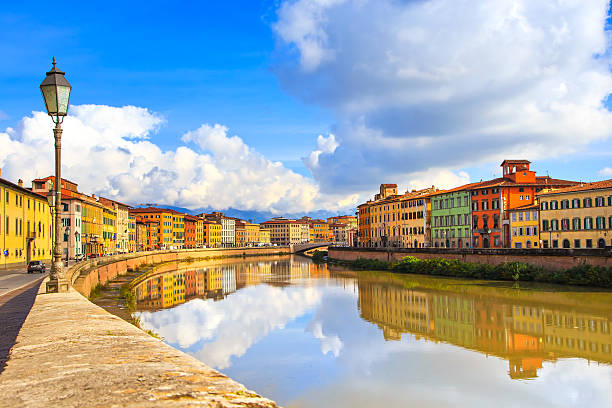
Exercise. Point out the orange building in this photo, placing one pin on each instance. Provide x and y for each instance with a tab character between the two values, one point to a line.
492	199
191	226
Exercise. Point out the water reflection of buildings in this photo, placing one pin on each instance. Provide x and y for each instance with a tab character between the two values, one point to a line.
525	335
175	283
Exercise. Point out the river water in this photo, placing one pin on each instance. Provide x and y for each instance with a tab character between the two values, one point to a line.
307	335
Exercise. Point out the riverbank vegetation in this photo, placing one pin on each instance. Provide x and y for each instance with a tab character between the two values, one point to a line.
584	275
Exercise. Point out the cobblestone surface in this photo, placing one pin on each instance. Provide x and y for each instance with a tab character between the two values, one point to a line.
71	353
14	308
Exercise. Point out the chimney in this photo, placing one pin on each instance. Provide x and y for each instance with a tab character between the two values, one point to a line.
20	183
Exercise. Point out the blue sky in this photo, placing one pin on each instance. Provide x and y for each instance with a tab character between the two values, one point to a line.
194	63
409	95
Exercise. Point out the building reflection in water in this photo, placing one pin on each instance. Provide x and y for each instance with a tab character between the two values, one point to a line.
175	283
525	330
524	334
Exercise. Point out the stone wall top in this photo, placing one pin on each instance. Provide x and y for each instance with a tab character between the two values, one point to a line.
70	352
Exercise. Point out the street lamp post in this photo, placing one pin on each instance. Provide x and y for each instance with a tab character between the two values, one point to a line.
56	93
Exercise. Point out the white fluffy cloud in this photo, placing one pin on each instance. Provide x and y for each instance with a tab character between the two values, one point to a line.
106	151
606	172
424	87
231	326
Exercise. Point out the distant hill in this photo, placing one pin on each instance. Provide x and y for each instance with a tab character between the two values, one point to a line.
255	216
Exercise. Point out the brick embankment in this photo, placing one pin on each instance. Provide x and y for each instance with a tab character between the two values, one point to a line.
71	353
553	259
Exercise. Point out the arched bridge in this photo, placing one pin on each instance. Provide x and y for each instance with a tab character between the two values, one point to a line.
298	248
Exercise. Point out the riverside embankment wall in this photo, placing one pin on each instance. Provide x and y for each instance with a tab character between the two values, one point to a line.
70	352
553	259
86	275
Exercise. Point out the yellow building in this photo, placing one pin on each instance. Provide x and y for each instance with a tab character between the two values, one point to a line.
247	234
211	234
109	228
165	229
283	231
320	230
397	220
25	225
524	227
92	222
264	236
577	217
132	233
178	230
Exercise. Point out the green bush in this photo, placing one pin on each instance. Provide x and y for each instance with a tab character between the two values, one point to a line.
319	256
585	275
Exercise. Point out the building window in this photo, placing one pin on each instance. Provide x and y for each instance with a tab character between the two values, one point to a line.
474	205
518	245
496	241
545	243
564	204
554	205
554	225
587	202
520	216
466	198
474	221
588	223
576	224
599	202
514	231
555	243
513	217
589	243
576	243
544	205
565	224
600	223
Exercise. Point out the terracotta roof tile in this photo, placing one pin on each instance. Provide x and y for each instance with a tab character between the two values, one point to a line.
597	185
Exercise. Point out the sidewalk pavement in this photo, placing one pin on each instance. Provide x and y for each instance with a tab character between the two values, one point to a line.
14	309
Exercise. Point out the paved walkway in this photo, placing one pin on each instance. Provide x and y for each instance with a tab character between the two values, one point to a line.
14	308
72	353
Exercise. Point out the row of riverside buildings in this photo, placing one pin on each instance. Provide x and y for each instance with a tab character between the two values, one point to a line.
100	226
518	210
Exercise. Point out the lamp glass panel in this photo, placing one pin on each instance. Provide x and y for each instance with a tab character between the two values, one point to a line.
63	96
48	92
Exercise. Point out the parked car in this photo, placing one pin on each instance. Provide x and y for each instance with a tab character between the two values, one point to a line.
36	266
79	257
91	256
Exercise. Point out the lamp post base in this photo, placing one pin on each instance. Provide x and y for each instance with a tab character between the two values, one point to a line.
57	286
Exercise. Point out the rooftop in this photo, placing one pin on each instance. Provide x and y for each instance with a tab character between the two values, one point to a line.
597	185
